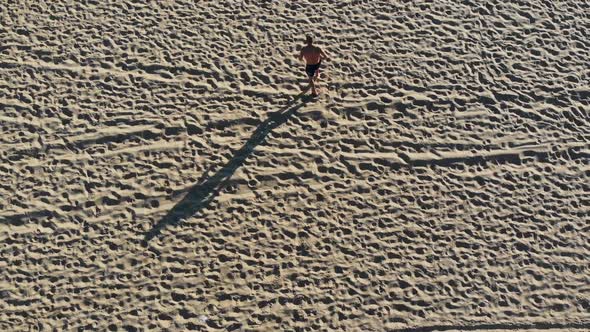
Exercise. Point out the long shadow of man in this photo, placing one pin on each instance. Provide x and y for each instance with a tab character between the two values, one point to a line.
200	195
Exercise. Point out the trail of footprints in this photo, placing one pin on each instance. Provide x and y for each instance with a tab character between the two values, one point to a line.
442	179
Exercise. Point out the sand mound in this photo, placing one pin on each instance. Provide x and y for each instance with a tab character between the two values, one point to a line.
160	169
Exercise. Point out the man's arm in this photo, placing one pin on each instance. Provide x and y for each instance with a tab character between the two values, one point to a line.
300	56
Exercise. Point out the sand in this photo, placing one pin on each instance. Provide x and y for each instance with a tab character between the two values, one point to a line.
160	169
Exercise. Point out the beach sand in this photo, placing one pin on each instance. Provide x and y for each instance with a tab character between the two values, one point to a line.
161	169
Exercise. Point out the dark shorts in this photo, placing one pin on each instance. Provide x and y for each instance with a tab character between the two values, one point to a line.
311	69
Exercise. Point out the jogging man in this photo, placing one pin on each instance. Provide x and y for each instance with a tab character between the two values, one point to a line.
313	56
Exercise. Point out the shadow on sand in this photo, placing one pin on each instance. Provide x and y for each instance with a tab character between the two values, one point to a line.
201	194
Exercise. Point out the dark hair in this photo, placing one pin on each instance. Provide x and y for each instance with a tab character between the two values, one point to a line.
308	39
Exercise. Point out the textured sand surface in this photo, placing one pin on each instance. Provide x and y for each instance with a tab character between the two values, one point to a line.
159	170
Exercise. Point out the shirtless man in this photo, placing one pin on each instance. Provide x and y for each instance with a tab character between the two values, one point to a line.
313	56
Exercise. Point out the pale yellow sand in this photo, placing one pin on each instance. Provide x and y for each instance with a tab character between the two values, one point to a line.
160	172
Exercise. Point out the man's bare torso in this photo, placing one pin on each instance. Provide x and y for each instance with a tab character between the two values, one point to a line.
311	54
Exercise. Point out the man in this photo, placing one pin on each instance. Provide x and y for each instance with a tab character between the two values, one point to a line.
313	56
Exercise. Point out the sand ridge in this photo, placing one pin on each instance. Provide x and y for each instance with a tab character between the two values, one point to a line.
161	171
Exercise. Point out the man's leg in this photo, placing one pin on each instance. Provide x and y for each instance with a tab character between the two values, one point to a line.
312	83
306	87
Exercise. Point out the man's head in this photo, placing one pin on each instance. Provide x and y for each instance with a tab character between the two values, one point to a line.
308	40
